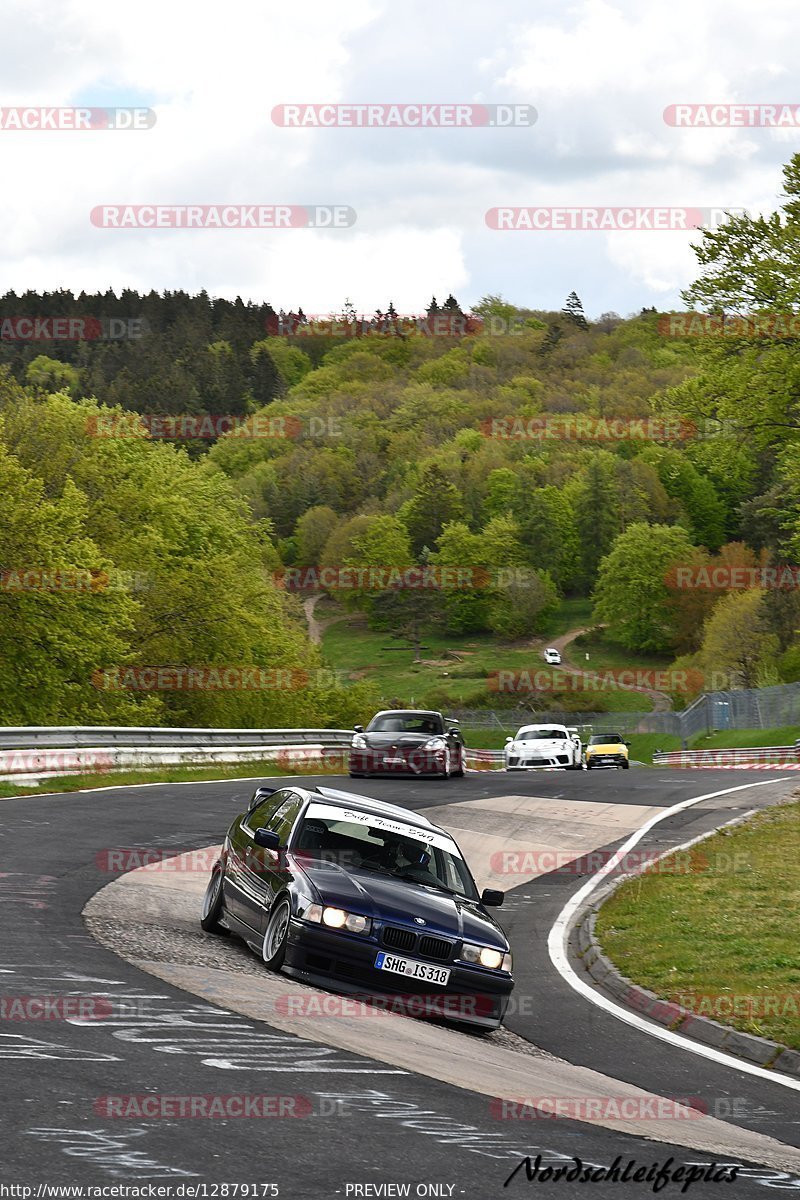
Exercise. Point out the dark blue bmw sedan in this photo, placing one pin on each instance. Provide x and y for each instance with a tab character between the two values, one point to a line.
361	897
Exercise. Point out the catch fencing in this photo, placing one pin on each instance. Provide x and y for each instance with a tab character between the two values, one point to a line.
749	708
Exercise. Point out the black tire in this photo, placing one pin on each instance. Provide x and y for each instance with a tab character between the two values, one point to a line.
448	767
626	765
273	950
588	766
214	903
357	775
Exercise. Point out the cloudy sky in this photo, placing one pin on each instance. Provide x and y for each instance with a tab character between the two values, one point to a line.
599	73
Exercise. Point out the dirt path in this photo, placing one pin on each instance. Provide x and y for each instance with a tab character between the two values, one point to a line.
314	626
317	628
661	701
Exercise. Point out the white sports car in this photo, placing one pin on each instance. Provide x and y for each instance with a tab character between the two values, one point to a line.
544	746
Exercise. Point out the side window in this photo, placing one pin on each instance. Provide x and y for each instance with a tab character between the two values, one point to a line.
261	815
283	818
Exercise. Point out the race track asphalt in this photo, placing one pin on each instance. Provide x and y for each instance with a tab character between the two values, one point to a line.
356	1124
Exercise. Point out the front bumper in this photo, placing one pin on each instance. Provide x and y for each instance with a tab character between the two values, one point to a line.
345	963
606	760
399	761
530	762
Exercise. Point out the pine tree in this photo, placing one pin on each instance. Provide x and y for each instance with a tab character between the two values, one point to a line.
574	310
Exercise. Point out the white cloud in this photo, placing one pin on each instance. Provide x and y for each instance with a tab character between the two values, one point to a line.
599	72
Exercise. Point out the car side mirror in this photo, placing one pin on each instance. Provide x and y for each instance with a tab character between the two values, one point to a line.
626	743
492	898
509	740
267	838
358	728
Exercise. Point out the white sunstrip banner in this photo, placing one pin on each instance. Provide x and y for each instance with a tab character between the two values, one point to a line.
431	837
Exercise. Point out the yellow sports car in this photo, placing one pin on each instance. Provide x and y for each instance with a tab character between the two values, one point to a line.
607	750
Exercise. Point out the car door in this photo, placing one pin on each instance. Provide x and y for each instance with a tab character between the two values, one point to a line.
245	883
276	873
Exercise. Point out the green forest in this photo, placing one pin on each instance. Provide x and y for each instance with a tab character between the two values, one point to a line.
613	465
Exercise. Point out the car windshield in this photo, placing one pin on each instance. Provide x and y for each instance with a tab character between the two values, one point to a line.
531	734
357	841
604	739
405	723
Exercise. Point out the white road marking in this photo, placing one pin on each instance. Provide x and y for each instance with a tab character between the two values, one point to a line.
557	948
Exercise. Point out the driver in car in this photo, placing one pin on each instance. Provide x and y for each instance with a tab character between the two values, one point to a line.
400	856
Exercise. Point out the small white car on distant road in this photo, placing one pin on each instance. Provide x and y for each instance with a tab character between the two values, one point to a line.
552	657
537	746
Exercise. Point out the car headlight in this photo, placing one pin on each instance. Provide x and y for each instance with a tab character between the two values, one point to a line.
359	742
486	956
436	743
512	747
337	918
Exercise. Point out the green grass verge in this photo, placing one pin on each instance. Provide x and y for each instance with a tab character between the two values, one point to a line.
573	613
454	671
727	933
605	655
643	745
96	779
732	738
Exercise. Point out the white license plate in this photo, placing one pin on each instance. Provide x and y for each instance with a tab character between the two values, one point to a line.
412	969
394	762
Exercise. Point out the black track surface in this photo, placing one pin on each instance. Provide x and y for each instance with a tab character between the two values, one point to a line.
365	1127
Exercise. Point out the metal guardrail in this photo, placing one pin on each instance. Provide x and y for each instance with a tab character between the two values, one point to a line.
29	753
740	756
72	737
47	763
33	753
